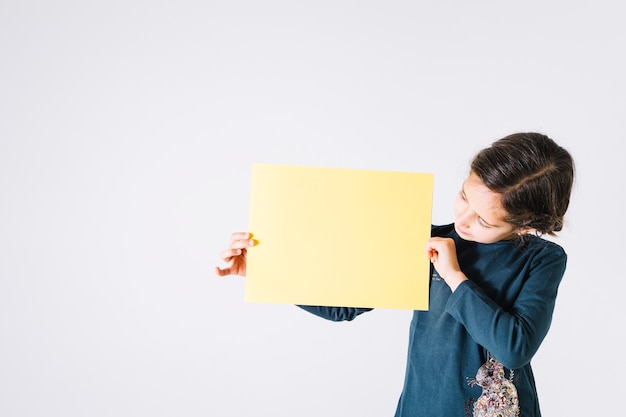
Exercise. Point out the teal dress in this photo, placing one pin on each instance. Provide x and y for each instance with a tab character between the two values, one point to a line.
503	312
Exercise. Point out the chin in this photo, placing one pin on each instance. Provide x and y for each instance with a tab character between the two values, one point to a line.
463	234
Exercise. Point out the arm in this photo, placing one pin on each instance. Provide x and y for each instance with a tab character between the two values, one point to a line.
513	336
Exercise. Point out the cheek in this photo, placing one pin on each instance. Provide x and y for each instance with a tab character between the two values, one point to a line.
459	205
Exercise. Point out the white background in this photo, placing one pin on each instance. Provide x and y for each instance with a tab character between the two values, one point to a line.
127	133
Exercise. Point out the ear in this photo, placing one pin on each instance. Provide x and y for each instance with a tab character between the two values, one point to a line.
526	230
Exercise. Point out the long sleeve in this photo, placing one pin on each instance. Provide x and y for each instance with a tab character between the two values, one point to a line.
336	313
513	335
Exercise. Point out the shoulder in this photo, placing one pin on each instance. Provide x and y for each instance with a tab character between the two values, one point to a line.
542	247
544	255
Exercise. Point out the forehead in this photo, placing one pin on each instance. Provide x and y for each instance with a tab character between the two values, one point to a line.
484	202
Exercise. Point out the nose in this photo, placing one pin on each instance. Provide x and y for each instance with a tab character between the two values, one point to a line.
463	216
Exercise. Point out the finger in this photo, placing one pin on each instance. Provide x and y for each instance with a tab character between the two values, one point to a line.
239	236
432	249
438	244
432	246
241	244
228	254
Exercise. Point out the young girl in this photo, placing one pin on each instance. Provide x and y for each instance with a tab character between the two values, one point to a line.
493	288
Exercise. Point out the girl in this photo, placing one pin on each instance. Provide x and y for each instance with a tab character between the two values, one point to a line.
494	283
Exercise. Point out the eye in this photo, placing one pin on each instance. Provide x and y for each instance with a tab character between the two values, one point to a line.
482	223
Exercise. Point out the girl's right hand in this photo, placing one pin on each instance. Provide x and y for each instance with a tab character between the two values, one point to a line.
235	255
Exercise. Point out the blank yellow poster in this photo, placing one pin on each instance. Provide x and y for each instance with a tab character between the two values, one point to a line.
339	237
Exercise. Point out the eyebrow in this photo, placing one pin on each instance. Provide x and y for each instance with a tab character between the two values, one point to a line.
481	217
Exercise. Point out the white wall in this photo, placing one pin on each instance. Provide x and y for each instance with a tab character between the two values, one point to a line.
127	133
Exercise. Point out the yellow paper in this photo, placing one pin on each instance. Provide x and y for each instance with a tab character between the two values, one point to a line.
339	237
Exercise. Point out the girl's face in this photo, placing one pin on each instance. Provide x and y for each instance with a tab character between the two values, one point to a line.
478	213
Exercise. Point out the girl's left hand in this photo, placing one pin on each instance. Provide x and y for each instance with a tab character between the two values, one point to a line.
442	253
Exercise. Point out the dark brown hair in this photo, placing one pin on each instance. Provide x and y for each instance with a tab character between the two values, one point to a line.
533	175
